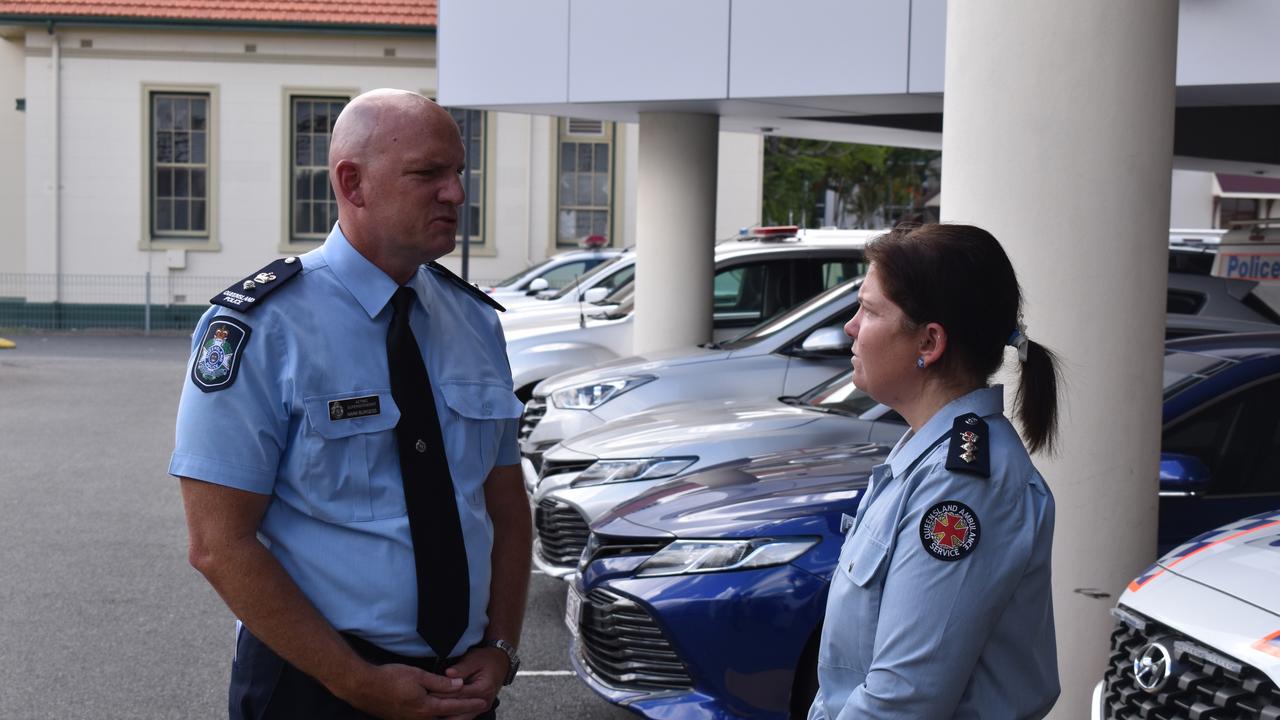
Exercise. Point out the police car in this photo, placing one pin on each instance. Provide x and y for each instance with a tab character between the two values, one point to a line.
1198	633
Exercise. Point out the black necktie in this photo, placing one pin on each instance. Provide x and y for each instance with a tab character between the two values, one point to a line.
438	550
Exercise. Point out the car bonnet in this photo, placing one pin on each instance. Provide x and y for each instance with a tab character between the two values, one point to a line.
680	428
1241	559
746	498
648	364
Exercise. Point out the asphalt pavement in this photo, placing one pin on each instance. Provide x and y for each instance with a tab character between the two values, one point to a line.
100	614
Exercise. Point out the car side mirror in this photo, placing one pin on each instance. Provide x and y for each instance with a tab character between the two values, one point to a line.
595	295
537	285
829	340
1182	475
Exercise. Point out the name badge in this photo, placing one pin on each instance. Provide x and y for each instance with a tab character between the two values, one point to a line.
846	523
354	407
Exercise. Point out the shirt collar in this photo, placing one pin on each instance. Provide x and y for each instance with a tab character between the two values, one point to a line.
371	287
983	402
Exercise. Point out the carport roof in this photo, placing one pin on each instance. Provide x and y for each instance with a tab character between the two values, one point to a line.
1248	186
416	14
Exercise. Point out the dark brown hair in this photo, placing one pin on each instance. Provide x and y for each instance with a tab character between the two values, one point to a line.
959	277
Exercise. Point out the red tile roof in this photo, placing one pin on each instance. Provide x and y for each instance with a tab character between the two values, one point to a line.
395	13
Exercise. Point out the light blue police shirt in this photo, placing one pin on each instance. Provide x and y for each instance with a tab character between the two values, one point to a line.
909	635
337	519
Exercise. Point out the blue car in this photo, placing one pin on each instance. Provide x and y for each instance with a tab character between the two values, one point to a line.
704	597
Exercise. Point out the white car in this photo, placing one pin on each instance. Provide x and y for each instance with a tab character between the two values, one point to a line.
755	280
592	473
554	272
1198	633
590	288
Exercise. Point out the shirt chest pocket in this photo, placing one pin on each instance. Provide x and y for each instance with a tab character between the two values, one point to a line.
477	414
853	604
350	470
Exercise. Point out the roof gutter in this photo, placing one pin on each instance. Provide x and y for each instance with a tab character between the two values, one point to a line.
215	25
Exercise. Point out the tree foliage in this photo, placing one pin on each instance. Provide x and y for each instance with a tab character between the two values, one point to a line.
865	179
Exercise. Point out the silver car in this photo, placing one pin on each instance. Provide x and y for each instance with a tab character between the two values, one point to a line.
609	466
784	356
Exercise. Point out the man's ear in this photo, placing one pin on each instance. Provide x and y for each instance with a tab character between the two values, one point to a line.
933	342
346	182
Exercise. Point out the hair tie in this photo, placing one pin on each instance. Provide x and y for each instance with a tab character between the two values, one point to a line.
1018	339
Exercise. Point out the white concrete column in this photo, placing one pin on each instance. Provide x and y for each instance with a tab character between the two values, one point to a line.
675	229
1057	137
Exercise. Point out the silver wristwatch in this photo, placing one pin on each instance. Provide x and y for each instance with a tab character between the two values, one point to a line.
513	659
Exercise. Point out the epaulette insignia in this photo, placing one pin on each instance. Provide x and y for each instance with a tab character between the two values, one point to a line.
472	289
247	293
968	451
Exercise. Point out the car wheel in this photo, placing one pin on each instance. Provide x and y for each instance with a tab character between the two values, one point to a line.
804	686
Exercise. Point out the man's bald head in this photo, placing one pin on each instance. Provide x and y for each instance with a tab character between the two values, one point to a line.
395	161
375	120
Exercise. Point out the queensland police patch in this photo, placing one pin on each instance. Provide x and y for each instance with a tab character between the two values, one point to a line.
218	355
949	530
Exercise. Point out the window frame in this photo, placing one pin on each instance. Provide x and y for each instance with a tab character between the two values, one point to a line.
489	145
207	240
288	244
609	136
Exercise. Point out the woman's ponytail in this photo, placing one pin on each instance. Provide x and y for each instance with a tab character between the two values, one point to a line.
1036	403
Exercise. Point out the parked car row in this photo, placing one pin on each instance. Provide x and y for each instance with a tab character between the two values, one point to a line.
693	500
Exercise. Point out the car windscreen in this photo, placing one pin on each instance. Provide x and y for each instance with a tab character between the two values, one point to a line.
816	305
605	268
1184	369
512	280
838	395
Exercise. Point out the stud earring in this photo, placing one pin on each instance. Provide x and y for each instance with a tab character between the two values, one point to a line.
920	362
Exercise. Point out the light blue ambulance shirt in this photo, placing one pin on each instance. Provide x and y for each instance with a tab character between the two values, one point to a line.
941	606
308	419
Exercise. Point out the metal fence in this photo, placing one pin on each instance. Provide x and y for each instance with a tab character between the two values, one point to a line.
110	302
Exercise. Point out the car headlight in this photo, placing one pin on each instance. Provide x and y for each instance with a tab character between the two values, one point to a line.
616	471
589	397
683	557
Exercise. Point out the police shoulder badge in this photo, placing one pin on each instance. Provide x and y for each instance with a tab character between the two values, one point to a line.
250	292
218	357
949	530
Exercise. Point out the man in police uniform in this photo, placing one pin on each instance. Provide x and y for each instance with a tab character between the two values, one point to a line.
290	460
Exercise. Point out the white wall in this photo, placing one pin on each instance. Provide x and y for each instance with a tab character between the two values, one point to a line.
103	208
738	186
12	156
1191	200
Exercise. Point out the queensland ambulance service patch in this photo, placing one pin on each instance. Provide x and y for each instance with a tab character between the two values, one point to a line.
949	530
218	356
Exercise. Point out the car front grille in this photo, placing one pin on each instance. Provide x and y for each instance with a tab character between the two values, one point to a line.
625	648
602	547
562	532
1204	684
547	468
533	412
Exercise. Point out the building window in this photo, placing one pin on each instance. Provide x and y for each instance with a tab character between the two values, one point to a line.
1237	209
472	125
585	188
179	165
313	208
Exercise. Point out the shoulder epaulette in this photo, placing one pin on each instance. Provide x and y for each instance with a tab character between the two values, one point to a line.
472	289
246	294
969	447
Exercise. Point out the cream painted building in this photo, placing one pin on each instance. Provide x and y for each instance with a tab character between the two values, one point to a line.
194	148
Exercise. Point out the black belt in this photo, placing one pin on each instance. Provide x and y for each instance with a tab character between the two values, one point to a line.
378	656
